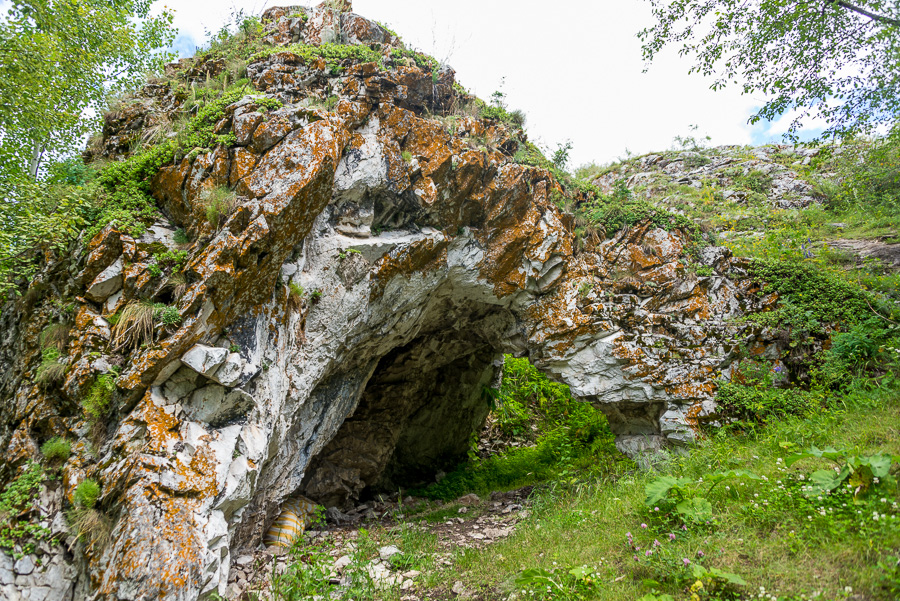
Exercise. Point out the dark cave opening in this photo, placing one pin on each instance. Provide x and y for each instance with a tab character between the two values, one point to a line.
415	418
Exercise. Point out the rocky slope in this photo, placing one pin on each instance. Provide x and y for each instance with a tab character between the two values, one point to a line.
337	317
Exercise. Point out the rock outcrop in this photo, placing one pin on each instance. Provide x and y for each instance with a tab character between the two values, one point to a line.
337	327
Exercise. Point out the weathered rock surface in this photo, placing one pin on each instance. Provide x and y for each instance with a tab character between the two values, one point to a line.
418	272
722	167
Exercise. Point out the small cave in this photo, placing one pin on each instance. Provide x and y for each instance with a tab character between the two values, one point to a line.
415	418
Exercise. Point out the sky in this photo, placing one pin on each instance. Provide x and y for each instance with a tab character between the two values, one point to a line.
574	68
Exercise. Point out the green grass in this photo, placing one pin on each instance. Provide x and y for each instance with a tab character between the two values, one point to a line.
775	546
56	449
556	435
86	494
98	400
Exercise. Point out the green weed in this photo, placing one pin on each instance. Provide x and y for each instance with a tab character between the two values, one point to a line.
56	449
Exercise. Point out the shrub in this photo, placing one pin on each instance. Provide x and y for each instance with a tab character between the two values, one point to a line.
860	345
758	404
86	494
166	315
755	181
809	292
17	502
56	449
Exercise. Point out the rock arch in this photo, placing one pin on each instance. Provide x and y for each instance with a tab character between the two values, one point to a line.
424	257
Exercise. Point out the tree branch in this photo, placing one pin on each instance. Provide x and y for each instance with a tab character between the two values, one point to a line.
866	13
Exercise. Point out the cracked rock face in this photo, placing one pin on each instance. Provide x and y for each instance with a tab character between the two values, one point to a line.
417	274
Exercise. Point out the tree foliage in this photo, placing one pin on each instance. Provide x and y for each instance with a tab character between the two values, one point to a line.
59	61
824	58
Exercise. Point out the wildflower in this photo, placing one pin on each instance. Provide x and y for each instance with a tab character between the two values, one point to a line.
656	542
686	561
644	526
701	554
671	536
648	553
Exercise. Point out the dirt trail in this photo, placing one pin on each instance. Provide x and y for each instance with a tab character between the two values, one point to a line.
468	522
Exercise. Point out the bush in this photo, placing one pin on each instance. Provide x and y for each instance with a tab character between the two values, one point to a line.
809	293
86	494
56	449
861	344
166	315
17	502
759	404
755	181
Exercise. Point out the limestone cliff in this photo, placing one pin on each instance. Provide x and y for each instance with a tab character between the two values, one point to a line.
338	317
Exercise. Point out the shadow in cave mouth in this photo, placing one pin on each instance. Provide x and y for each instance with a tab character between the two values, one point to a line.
415	417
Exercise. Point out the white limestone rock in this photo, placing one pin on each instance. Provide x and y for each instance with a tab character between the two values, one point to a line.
205	360
230	371
105	284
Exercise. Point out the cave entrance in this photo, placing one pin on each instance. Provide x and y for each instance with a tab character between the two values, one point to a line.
414	418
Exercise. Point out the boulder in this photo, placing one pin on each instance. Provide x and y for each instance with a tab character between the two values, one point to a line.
106	283
205	360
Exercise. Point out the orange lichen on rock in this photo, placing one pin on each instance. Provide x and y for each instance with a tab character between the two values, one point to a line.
421	256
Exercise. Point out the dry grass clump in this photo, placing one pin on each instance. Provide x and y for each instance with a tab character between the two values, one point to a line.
134	326
51	371
55	335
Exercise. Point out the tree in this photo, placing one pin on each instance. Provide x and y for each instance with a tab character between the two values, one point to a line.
822	58
59	62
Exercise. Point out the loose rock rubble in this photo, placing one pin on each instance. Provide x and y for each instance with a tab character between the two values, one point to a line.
492	521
